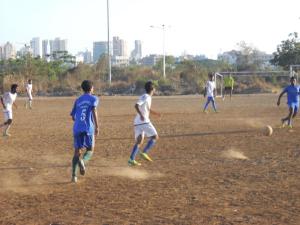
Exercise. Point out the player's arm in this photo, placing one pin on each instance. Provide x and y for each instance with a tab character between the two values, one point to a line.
95	116
2	102
15	105
155	113
73	112
279	97
204	94
138	111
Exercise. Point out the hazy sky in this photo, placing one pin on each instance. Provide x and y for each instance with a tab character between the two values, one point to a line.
195	26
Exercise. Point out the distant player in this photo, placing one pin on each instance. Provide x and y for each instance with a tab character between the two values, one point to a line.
143	126
29	94
228	86
84	115
210	92
292	101
8	100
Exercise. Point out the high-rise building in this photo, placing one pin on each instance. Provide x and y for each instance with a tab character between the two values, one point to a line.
45	48
35	46
8	51
58	45
87	57
136	54
1	52
119	47
99	48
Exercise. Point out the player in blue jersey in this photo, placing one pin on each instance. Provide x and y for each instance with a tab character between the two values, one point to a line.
292	100
84	115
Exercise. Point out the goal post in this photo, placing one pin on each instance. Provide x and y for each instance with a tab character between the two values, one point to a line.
219	81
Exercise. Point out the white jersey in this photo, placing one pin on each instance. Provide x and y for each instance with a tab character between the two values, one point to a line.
144	104
8	99
210	87
29	88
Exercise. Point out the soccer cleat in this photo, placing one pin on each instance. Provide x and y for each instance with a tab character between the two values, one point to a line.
74	179
205	111
81	167
133	163
283	123
6	134
145	156
290	126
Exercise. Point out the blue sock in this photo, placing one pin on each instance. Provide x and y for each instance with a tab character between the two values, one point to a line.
87	156
135	150
149	145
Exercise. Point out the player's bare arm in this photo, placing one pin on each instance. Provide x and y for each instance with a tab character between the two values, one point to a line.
139	112
278	101
2	102
95	116
15	105
155	113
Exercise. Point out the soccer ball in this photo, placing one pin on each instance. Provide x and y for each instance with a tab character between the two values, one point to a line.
268	131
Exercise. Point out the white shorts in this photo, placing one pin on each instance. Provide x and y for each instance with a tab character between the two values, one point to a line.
7	115
144	129
29	96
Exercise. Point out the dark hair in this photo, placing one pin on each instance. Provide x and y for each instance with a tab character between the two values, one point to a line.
293	78
29	80
86	85
149	86
13	87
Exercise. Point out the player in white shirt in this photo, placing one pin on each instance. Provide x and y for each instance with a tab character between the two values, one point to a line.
210	92
29	94
143	126
8	100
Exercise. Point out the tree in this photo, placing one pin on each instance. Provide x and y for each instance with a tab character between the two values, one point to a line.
288	52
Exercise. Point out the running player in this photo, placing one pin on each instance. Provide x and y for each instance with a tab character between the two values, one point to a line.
8	100
143	126
84	115
292	101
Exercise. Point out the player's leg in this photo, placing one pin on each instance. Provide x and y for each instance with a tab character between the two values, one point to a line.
207	103
9	119
89	144
139	136
78	145
231	90
214	104
151	132
30	101
289	117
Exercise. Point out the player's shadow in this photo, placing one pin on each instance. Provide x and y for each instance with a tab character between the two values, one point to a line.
185	135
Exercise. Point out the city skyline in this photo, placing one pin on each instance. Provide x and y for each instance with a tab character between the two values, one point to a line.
194	27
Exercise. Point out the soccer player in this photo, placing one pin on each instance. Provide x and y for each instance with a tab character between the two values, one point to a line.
228	86
84	115
8	100
292	101
210	92
29	94
143	126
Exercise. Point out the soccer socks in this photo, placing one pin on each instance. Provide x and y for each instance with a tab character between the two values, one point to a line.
87	156
149	145
75	165
135	150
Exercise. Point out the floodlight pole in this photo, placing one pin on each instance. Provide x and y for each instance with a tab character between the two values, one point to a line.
108	45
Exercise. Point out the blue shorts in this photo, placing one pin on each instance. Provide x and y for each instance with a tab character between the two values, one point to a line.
294	106
83	140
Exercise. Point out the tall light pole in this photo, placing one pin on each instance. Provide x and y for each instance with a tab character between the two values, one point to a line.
163	27
108	44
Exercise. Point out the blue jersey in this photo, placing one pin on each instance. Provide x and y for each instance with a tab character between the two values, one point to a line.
292	93
82	114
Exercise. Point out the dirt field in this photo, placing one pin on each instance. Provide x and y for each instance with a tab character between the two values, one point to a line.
215	168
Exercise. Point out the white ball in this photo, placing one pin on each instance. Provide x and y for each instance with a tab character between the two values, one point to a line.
268	130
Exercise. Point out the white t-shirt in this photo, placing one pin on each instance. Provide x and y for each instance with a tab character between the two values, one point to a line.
210	87
144	103
9	99
29	88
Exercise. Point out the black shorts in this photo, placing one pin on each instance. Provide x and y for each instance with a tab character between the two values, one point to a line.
228	88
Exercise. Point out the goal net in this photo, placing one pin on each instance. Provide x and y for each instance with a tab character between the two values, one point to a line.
219	84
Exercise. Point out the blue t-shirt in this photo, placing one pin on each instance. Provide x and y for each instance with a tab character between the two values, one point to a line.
292	93
82	114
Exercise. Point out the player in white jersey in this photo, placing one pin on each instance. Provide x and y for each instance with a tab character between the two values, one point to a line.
8	100
143	126
210	92
29	94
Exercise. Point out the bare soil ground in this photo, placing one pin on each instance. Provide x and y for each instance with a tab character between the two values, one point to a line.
215	168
